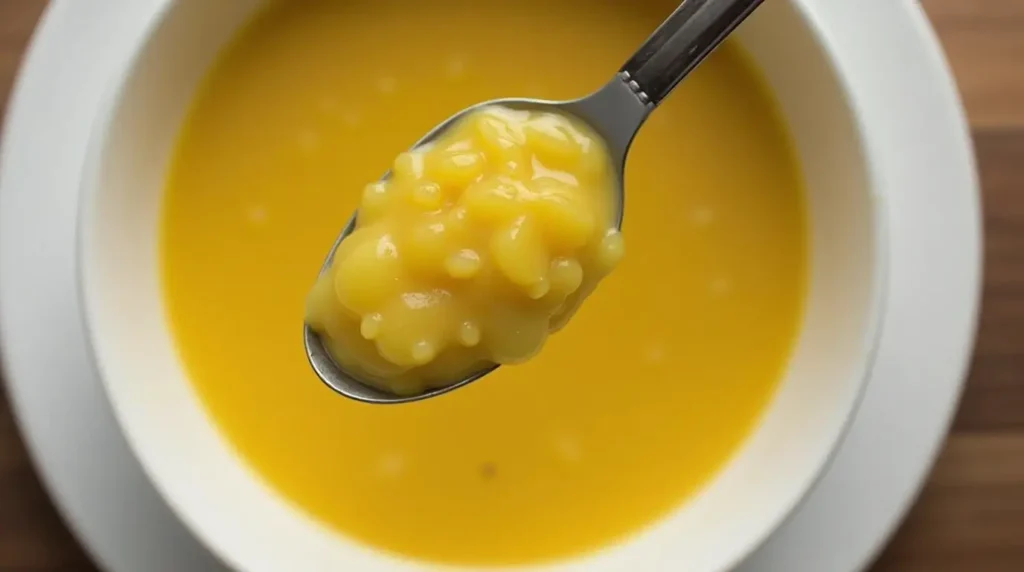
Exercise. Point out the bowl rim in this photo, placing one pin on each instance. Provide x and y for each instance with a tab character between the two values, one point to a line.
870	335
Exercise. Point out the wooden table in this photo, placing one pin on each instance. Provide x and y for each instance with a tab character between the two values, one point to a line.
970	517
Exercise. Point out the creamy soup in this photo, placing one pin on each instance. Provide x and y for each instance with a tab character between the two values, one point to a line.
627	411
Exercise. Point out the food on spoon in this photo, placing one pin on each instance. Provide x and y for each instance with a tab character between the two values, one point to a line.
477	246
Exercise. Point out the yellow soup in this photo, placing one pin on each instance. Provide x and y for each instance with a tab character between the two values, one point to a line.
627	412
477	245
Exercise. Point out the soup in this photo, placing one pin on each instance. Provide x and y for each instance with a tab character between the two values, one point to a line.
627	412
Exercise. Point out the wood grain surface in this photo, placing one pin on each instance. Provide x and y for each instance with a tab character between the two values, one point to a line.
970	517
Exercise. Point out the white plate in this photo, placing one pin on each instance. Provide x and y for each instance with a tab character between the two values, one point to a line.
929	180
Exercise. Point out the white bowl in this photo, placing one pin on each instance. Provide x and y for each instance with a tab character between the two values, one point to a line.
250	527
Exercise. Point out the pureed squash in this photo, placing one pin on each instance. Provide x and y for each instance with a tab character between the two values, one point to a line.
625	413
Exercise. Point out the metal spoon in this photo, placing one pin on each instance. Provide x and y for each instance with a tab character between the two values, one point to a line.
616	112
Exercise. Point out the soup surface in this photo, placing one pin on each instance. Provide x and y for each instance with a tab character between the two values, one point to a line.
624	414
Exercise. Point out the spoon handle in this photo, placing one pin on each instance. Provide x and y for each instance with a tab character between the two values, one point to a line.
692	32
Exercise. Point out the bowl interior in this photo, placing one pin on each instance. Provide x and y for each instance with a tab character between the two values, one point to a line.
252	528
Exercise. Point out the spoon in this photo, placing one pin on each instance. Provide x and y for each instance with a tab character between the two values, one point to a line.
615	112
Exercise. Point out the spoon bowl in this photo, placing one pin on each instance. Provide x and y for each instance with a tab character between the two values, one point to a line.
343	382
615	112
